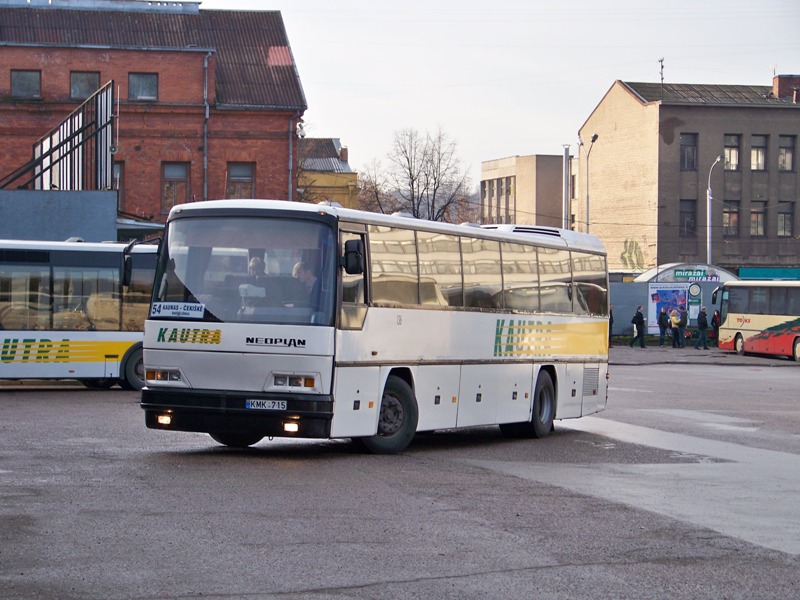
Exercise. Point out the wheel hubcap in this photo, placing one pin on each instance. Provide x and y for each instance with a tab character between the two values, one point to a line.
392	416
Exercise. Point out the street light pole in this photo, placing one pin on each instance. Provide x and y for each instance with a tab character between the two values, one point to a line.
588	152
708	212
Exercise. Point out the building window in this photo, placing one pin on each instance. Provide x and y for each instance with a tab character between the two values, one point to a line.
732	145
119	182
143	86
758	153
83	84
730	218
174	185
785	218
688	152
240	181
786	152
758	218
688	218
26	84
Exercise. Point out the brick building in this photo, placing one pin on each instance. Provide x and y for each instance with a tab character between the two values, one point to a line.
655	156
208	102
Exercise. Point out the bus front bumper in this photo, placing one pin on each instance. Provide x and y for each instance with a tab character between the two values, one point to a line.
270	415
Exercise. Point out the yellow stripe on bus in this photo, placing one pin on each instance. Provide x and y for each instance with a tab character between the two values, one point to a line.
43	350
528	337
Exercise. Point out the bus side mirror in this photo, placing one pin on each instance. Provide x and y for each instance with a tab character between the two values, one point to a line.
353	259
127	270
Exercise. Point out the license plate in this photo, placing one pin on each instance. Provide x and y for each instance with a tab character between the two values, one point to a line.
265	404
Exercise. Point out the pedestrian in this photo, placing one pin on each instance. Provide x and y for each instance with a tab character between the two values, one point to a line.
715	321
675	320
684	321
638	325
663	324
702	330
610	323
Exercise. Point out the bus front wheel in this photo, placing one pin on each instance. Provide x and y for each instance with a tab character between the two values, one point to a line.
544	411
236	440
397	421
738	344
796	350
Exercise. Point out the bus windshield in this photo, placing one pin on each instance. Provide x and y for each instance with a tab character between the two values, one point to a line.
246	270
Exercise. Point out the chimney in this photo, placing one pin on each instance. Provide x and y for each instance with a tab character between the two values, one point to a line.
343	154
785	86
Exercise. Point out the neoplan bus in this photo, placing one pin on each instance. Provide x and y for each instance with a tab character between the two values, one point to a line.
760	317
392	326
65	313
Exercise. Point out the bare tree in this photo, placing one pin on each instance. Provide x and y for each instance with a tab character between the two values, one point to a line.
373	192
427	174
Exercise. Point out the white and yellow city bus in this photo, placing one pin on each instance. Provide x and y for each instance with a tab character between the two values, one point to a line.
369	326
760	317
65	313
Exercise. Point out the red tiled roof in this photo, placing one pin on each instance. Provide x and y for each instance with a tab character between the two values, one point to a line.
254	62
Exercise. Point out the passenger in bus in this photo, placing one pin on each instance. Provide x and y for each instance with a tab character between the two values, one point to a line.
256	270
304	273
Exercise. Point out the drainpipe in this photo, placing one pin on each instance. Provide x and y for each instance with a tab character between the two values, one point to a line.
205	126
292	130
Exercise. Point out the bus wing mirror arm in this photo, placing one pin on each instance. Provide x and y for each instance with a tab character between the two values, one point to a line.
352	260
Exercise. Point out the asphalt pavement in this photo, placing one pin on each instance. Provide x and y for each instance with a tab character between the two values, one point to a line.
621	353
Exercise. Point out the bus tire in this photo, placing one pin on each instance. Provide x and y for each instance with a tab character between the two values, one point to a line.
236	440
796	350
738	344
542	415
397	422
134	371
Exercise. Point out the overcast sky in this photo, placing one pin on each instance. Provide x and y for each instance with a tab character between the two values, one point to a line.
511	77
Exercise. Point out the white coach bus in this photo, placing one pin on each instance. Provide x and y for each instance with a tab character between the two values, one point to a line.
67	313
367	326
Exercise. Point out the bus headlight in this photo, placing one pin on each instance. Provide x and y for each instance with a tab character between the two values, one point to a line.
161	375
298	382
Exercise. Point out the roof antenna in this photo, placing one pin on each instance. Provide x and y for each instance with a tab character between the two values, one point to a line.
661	60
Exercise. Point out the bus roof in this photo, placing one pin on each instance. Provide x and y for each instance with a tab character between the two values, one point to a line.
75	246
545	236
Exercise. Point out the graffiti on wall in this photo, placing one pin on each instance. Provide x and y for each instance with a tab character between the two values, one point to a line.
632	256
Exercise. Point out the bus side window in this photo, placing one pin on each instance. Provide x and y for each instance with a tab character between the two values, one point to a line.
793	302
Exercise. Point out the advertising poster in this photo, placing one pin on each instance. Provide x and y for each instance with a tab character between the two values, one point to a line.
670	295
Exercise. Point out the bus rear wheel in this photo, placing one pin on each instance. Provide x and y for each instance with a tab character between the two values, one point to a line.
236	440
397	421
544	411
796	350
738	344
